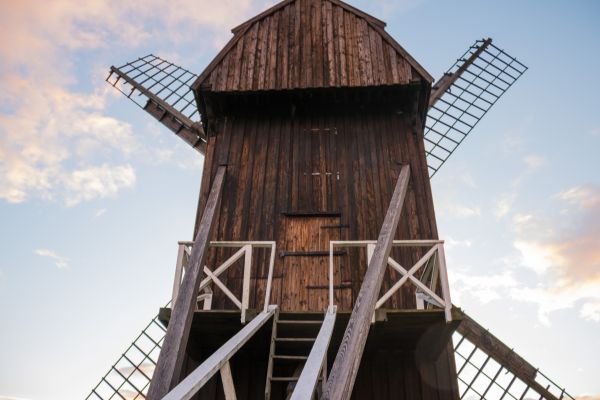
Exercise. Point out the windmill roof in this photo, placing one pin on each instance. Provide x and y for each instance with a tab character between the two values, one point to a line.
310	44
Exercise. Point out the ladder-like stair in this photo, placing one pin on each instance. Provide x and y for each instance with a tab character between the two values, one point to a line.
292	339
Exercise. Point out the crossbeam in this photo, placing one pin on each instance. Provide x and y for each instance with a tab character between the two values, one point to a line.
347	361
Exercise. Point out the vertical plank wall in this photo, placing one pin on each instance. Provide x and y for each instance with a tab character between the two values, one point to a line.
270	164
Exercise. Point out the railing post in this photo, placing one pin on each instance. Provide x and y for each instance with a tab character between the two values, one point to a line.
345	367
445	284
246	281
270	276
178	272
331	275
170	360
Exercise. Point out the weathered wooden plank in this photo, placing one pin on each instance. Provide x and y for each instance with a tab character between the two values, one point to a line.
345	366
200	376
307	382
170	360
503	354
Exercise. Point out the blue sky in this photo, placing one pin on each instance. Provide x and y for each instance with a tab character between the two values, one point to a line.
94	194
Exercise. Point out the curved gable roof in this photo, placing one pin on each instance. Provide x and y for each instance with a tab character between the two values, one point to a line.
310	44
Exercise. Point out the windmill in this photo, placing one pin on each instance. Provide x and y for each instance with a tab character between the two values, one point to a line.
316	269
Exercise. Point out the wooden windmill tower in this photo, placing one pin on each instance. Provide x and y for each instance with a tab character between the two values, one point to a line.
316	268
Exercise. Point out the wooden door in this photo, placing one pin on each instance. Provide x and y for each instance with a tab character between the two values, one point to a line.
306	262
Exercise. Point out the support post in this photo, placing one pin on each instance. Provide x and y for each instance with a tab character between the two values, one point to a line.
178	272
345	367
246	281
170	360
227	379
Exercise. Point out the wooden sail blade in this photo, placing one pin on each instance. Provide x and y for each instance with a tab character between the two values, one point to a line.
163	90
466	92
489	369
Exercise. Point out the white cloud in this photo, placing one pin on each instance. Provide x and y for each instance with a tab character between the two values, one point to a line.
450	243
54	131
581	196
93	182
485	288
565	254
99	212
11	398
504	205
59	261
534	161
591	311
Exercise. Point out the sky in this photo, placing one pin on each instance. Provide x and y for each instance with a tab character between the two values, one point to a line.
94	194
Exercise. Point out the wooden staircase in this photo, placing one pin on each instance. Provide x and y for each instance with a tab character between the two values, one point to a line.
298	353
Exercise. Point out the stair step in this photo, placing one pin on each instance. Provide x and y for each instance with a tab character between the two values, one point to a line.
290	339
288	378
282	357
299	321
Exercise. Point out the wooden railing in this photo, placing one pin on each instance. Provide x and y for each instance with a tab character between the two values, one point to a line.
434	257
206	287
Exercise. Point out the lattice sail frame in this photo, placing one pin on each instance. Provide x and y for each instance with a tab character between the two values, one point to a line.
479	375
482	377
129	378
163	89
474	91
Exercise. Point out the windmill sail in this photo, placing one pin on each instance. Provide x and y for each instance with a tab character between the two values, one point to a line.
466	92
163	90
487	368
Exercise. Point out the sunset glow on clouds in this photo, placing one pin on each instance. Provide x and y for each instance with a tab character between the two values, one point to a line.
56	141
92	203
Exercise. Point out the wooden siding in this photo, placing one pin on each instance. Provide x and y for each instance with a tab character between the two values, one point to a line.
266	183
310	44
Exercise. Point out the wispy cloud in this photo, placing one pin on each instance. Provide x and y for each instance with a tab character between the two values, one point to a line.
504	205
11	398
60	261
534	161
56	141
556	260
565	253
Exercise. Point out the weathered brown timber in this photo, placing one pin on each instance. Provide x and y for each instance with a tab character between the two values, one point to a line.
272	194
503	354
392	367
315	110
345	368
293	45
172	354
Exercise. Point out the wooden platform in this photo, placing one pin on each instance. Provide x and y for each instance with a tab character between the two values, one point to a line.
407	351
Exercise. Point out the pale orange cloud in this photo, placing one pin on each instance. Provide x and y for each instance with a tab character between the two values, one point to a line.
56	141
565	249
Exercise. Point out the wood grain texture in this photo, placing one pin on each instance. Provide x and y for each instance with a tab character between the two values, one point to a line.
346	364
271	192
310	44
172	354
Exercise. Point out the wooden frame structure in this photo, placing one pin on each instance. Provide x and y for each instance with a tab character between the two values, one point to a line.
212	276
435	255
